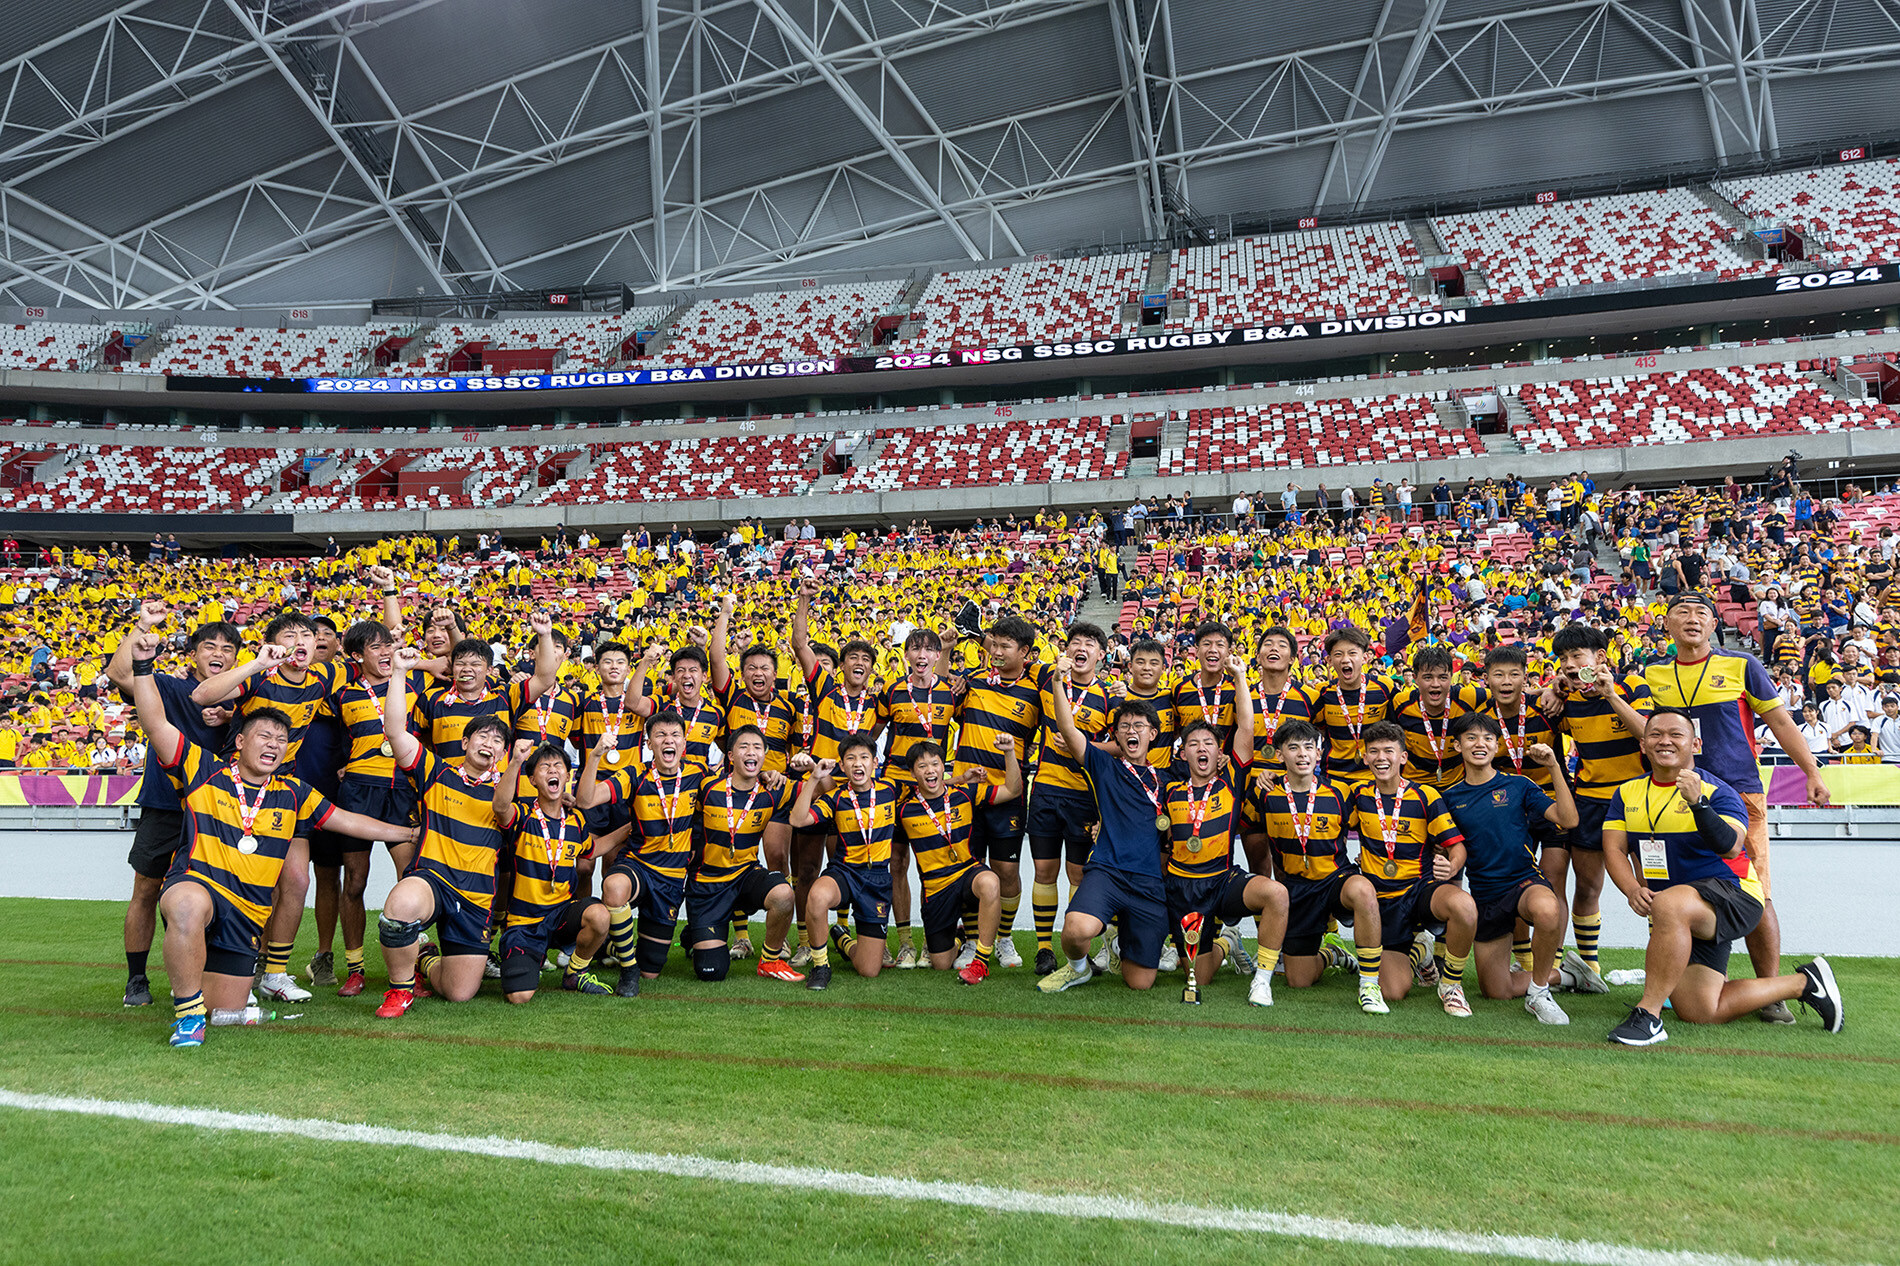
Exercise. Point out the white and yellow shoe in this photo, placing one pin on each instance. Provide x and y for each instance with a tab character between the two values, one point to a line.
1371	1001
1066	976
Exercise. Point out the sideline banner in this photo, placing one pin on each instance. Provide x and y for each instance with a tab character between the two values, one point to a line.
1081	348
1849	784
69	791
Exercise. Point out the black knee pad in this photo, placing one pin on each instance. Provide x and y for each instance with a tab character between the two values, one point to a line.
650	955
712	964
396	933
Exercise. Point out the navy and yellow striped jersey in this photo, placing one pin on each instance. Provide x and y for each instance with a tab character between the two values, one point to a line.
705	720
1608	754
1194	700
988	709
1724	692
297	700
1530	726
939	833
1430	755
446	716
1415	818
777	717
731	824
1271	711
600	713
545	850
864	821
840	713
545	717
1306	829
1091	706
1205	821
1161	751
915	716
1654	814
359	709
460	841
665	814
1344	715
285	809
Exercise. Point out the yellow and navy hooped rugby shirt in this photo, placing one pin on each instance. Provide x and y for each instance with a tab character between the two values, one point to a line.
916	716
1206	852
1091	706
286	808
1320	811
841	712
938	829
665	814
461	842
1419	821
1430	755
864	821
545	850
732	823
1608	753
988	709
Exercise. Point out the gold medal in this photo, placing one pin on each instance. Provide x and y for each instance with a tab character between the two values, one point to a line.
1391	869
1194	844
1163	822
613	757
388	748
247	844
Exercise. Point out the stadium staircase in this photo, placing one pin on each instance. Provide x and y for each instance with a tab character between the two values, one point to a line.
1425	237
1502	444
662	335
1725	211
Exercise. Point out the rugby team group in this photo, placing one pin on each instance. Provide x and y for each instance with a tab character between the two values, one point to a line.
1458	802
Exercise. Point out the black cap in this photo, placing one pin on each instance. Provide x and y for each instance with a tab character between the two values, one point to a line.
1692	598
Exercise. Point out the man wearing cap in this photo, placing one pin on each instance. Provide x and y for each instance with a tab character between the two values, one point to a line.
1721	691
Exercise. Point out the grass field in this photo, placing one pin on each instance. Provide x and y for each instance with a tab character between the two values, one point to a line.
1749	1140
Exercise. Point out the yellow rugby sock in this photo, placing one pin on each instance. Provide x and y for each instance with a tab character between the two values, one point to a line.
193	1004
1588	927
277	957
1453	967
353	960
1042	903
1266	959
1368	956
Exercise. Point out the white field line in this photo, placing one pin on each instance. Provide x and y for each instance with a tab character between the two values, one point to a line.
969	1195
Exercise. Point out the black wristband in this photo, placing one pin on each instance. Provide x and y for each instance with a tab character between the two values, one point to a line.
390	593
144	667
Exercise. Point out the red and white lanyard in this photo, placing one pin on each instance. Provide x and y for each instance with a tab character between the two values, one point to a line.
1389	829
669	805
853	719
610	724
1302	825
732	822
554	847
1354	726
247	812
1515	749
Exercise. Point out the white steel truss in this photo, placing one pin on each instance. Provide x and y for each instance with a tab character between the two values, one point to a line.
914	173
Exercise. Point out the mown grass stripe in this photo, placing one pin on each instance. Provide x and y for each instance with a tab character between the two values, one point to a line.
874	1186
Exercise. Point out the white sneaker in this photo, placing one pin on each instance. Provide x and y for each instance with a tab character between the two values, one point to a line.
741	948
1170	958
561	960
890	959
1260	992
801	957
1541	1004
280	986
1237	956
1110	953
906	957
1627	976
1452	995
1576	974
966	954
1371	1000
1006	955
491	970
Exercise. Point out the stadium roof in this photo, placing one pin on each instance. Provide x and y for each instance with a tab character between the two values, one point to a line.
245	153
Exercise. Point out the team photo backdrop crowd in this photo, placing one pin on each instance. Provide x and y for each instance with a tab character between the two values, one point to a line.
1410	733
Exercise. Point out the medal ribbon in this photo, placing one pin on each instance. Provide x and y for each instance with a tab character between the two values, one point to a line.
669	806
1152	793
1515	750
1390	830
247	812
559	843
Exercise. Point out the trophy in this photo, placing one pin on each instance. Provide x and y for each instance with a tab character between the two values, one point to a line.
1190	947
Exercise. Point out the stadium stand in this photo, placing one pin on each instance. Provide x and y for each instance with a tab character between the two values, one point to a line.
1674	408
1025	303
777	325
989	453
1525	251
1855	208
693	469
260	353
51	345
1325	273
1401	428
341	492
129	479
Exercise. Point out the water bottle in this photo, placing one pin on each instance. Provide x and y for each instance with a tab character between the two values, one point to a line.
251	1014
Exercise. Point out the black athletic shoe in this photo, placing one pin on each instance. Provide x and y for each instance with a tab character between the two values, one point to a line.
628	986
1641	1029
138	991
1045	962
820	977
1822	996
